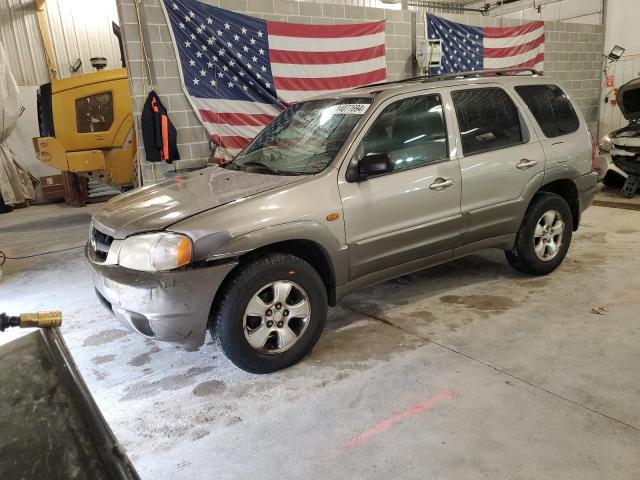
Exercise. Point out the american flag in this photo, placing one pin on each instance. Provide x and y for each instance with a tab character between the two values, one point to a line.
465	47
239	71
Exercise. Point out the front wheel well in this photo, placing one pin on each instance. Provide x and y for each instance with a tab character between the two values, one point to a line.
307	250
569	192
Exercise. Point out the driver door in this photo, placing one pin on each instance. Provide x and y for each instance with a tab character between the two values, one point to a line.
413	212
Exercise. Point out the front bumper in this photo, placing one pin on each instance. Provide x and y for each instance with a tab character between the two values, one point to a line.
169	306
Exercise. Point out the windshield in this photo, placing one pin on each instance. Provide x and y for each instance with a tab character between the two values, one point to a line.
304	138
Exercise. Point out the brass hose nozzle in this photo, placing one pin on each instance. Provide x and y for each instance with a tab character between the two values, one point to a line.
41	319
31	320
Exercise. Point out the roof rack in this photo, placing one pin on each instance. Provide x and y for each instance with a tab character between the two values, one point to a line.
481	73
468	74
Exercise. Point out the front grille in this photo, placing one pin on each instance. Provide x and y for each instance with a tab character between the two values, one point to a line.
100	244
627	148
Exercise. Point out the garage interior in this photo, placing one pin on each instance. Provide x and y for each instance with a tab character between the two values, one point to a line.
469	369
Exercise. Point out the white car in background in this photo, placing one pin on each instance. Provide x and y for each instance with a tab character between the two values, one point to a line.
619	151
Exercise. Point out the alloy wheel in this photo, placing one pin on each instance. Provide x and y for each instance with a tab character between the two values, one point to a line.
276	317
547	239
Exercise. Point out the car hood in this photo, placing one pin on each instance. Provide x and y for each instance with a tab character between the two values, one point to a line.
158	206
629	99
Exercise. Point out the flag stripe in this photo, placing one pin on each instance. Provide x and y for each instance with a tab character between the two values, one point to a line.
347	81
512	51
501	32
512	61
291	96
326	71
248	131
234	106
513	41
326	58
534	62
231	141
327	44
303	30
240	119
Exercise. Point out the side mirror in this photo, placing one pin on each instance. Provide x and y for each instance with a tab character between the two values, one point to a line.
374	164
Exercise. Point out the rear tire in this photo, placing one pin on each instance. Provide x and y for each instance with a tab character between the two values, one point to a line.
544	236
271	313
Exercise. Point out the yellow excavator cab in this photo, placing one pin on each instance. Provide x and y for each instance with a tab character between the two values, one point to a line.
86	126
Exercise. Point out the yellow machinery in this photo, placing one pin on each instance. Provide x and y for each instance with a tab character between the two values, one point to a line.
86	126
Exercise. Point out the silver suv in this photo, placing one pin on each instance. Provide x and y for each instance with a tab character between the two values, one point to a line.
340	192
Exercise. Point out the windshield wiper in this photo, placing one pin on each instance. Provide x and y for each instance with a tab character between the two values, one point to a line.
231	165
256	163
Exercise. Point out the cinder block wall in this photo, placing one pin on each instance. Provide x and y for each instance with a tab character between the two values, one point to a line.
572	53
573	56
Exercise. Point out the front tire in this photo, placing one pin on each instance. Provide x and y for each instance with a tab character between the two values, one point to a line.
271	313
544	237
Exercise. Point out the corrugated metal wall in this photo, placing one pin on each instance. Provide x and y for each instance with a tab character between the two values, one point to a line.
20	36
79	29
82	29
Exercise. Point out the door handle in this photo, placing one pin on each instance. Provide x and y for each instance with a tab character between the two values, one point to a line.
441	183
524	164
557	143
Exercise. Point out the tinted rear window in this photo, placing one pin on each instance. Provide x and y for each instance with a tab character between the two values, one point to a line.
551	109
487	118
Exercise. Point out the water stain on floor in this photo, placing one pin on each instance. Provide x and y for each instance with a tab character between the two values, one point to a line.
143	358
534	283
104	336
594	237
584	263
199	433
422	317
172	382
234	421
210	387
100	359
360	347
480	303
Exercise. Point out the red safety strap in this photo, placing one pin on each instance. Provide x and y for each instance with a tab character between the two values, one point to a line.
164	120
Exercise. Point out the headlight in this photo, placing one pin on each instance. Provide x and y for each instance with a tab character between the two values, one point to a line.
605	144
152	252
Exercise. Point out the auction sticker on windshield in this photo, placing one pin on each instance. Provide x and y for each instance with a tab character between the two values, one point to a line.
349	108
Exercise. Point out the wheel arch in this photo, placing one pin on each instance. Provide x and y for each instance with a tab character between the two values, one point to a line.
567	189
308	250
309	241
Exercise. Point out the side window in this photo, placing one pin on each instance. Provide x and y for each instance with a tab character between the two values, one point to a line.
551	109
411	131
488	120
94	113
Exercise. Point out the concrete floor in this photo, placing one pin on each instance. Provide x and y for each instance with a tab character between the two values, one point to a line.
467	370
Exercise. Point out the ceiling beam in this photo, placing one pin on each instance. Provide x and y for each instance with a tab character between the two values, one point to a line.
43	24
511	7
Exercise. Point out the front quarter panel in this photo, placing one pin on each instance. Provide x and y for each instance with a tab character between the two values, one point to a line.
293	212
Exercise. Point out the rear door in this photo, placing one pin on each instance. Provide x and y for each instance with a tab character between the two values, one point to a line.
499	157
563	140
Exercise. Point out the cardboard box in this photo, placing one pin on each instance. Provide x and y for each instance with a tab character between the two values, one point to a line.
53	187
